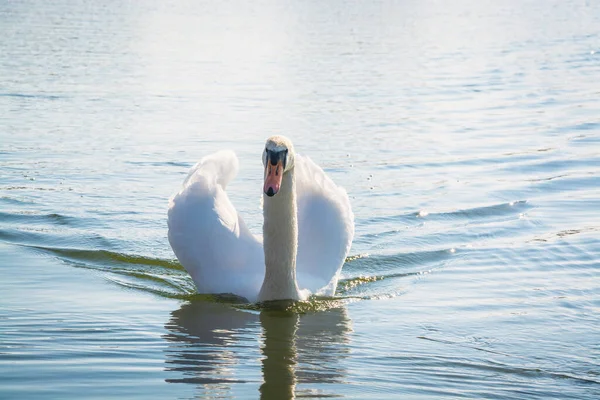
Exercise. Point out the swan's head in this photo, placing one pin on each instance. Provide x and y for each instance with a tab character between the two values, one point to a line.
278	158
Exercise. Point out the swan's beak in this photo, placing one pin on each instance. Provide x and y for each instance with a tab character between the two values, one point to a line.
273	175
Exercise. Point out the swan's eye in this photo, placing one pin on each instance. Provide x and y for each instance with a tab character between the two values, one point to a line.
273	157
264	158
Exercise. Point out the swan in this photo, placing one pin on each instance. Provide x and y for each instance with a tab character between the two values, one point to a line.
307	230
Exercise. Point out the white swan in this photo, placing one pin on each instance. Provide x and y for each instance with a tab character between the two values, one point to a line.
308	228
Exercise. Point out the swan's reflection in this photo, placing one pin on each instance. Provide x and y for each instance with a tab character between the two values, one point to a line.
218	347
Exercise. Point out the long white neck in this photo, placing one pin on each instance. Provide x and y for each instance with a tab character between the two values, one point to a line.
280	235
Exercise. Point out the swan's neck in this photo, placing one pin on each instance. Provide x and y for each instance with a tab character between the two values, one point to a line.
280	235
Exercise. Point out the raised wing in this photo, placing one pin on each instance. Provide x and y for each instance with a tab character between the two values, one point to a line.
325	228
208	236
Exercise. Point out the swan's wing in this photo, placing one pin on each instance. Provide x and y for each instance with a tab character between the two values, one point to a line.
208	236
325	228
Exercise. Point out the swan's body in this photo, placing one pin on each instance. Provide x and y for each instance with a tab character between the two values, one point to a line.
308	228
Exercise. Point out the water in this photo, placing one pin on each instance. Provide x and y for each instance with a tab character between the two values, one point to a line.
466	133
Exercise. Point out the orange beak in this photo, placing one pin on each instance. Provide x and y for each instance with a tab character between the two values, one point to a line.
273	175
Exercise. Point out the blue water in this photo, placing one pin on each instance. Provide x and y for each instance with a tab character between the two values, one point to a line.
466	133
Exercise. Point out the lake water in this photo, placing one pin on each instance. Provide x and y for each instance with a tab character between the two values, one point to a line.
466	133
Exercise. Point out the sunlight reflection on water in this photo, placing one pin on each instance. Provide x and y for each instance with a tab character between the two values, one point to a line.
466	136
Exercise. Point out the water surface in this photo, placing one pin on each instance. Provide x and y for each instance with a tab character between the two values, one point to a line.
467	136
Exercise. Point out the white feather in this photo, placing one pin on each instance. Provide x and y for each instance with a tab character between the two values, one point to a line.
213	244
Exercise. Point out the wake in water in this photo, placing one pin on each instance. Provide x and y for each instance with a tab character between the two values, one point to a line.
437	240
364	276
